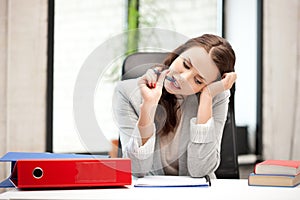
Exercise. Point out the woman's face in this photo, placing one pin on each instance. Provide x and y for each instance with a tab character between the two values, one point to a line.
192	71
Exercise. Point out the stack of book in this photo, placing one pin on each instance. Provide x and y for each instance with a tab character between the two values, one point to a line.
285	173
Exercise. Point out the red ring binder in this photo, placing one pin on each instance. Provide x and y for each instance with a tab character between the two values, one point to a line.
65	171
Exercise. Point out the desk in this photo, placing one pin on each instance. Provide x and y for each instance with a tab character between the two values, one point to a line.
220	189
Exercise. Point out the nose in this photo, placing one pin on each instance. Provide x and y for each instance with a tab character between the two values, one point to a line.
187	75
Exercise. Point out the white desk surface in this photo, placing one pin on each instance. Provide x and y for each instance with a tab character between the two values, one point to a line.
220	189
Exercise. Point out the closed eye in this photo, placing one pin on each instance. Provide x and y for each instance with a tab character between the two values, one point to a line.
197	81
186	65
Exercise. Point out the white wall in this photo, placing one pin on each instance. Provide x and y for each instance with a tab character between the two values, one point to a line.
3	50
281	83
23	72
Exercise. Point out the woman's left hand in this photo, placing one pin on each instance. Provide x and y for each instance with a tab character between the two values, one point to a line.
217	87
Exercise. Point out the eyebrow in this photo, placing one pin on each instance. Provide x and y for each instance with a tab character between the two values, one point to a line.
190	63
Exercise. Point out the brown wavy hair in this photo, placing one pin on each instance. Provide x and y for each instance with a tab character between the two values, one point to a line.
220	52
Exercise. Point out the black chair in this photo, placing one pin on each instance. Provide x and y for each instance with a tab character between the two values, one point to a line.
137	64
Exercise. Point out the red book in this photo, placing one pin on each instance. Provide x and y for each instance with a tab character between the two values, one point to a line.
61	173
284	167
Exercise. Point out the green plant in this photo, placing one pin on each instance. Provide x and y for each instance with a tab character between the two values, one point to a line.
132	26
151	13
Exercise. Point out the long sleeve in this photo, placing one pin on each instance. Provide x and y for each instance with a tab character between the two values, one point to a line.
205	139
126	112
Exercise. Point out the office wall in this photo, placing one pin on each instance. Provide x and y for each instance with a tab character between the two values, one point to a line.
23	72
3	39
281	79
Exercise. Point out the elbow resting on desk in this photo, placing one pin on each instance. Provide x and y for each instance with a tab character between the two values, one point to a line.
199	167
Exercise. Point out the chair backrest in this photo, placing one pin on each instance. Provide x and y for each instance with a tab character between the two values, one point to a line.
137	64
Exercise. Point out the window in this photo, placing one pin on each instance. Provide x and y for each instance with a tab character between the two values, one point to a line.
81	26
242	30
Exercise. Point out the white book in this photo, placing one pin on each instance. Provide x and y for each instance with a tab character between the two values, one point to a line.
171	181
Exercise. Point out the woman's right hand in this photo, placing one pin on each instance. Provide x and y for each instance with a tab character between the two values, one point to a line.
151	85
217	87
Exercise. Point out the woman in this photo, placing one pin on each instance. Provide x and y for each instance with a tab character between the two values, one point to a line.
171	119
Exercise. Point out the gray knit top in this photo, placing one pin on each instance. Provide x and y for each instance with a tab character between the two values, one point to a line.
198	148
